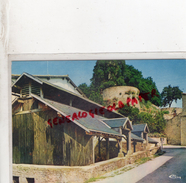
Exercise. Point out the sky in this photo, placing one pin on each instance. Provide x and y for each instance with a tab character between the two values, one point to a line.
163	72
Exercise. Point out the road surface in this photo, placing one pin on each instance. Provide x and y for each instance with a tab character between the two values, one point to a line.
170	167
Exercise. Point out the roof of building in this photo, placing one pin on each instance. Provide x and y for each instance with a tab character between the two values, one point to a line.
59	88
140	128
152	140
118	122
136	138
38	78
89	123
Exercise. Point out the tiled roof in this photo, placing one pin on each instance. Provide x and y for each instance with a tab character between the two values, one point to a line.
135	137
92	124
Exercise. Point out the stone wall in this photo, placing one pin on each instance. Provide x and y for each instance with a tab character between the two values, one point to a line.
120	93
172	112
176	124
173	130
183	120
77	174
158	139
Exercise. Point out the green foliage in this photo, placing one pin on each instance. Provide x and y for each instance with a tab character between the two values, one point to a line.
158	154
160	122
156	134
170	94
91	93
142	160
108	73
146	85
116	73
148	118
165	112
85	89
131	112
96	97
93	179
155	121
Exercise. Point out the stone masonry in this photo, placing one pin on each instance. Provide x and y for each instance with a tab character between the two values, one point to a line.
176	126
183	120
74	174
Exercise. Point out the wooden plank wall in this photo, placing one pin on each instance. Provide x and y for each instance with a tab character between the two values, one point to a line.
23	138
35	142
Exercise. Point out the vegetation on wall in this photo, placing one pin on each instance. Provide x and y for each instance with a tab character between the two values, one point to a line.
154	119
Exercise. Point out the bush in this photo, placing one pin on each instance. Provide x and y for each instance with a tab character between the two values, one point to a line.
165	112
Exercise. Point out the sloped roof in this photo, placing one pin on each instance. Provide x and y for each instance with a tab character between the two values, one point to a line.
152	140
29	76
38	78
62	89
140	128
88	123
117	122
136	138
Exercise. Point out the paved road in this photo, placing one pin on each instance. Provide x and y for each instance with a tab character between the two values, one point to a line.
170	167
173	170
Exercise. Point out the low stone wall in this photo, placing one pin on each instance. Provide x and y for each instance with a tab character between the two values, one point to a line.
76	174
158	139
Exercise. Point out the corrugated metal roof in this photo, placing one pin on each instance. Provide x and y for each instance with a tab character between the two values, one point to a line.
92	124
135	137
139	127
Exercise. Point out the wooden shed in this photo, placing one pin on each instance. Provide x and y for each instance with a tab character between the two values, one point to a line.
53	126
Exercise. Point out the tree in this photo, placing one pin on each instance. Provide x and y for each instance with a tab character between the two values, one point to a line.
170	94
108	73
85	89
147	85
131	112
160	122
90	92
155	120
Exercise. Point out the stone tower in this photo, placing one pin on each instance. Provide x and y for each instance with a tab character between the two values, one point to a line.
183	120
121	93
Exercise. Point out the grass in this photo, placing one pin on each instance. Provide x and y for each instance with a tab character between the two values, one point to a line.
126	168
142	160
93	179
158	154
117	172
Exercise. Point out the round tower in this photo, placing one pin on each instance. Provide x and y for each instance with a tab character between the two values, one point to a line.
121	93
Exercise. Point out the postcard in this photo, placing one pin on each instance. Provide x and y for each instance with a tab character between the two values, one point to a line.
98	121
